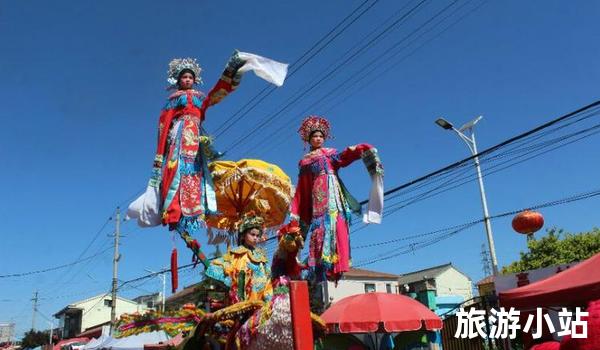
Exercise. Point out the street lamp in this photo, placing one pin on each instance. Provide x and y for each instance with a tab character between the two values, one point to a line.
467	134
163	286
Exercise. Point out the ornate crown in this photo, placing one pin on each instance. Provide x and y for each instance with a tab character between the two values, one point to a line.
179	64
250	220
314	123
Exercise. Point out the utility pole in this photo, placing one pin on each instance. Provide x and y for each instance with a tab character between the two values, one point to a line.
35	300
113	302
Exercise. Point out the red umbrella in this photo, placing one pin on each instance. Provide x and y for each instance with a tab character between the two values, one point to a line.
363	313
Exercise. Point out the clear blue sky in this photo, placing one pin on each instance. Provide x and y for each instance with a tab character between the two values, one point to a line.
83	82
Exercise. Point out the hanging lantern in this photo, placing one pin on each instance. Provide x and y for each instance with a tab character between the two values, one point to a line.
528	222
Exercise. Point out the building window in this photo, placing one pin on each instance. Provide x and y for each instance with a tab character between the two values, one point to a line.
150	304
388	288
107	302
369	287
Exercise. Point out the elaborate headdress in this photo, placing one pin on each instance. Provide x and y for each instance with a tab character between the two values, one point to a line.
250	220
179	64
314	123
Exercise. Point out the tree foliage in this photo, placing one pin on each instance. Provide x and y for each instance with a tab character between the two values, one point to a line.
33	339
557	247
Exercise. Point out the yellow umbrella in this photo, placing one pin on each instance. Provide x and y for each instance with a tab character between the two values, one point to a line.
249	184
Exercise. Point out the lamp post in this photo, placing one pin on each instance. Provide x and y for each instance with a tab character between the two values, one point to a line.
467	134
162	275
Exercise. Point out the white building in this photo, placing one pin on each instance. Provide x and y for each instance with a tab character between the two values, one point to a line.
359	281
442	288
7	332
85	314
445	279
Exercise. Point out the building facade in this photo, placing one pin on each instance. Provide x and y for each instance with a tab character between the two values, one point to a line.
359	281
441	287
7	332
85	314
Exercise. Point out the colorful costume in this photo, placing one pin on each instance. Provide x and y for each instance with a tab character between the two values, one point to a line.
180	192
324	206
244	270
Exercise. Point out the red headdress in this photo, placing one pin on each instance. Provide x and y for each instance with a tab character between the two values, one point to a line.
314	123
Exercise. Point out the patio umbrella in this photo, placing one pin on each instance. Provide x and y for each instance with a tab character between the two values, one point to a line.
370	312
248	184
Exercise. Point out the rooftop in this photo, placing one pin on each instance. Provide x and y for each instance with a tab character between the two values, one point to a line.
362	273
428	273
488	279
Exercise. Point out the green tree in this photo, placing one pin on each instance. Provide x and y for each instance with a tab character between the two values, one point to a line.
34	339
557	247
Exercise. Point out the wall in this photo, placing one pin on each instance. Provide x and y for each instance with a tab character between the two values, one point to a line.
7	332
452	282
95	312
348	287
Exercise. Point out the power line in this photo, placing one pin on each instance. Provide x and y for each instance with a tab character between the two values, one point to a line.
491	149
459	228
58	282
222	128
21	274
327	76
397	62
557	143
518	147
368	68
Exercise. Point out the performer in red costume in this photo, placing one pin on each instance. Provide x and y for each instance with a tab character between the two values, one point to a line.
323	205
180	191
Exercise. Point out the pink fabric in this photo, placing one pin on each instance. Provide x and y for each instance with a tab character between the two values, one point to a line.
343	246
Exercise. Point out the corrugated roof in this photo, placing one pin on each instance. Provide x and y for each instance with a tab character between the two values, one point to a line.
368	274
431	272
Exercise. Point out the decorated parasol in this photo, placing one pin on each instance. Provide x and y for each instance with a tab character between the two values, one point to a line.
248	184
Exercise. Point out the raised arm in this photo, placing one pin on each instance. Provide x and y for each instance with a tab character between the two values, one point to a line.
350	154
229	81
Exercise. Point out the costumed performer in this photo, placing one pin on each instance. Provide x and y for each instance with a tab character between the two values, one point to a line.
270	327
180	191
243	269
323	205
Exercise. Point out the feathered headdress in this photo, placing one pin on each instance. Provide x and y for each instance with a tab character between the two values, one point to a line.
179	64
314	123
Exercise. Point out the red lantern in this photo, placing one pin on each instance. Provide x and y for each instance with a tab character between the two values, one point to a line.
527	222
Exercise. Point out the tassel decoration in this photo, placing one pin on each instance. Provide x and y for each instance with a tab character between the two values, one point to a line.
174	273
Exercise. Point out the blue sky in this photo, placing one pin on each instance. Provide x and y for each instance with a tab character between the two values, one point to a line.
83	83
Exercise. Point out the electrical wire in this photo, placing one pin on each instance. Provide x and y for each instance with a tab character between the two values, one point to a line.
347	59
21	274
294	68
459	228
